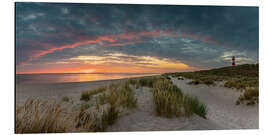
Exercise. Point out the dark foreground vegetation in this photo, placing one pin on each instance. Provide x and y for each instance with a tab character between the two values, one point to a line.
242	77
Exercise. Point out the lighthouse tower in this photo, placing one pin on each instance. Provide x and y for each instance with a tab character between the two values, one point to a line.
233	61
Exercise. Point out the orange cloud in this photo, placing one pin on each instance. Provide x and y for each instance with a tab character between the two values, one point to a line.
115	63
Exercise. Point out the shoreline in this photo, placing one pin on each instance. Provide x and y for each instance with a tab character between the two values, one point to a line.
118	79
56	91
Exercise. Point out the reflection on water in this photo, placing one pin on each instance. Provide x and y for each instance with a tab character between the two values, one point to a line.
57	78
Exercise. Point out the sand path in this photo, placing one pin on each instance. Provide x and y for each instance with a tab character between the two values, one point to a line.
222	111
221	105
222	114
143	118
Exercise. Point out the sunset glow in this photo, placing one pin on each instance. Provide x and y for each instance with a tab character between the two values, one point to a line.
77	38
115	63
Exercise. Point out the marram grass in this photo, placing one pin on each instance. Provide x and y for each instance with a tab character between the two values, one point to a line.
86	95
170	101
193	105
167	99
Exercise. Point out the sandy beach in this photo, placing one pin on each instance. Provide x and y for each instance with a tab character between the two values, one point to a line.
222	111
55	91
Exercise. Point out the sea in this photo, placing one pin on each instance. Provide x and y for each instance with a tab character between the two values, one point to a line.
74	77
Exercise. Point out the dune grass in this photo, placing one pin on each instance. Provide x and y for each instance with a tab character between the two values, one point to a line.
42	117
240	77
86	95
120	94
242	82
51	117
96	121
169	101
192	105
249	96
149	81
246	74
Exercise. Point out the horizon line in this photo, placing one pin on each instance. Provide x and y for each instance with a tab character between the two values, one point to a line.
92	73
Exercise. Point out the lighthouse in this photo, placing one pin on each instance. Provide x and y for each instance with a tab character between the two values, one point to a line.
233	61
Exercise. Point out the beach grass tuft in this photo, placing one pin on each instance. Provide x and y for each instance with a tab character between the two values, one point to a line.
86	95
250	96
193	105
42	117
119	94
167	99
96	121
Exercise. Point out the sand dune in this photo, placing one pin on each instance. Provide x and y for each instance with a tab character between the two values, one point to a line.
221	105
222	111
143	118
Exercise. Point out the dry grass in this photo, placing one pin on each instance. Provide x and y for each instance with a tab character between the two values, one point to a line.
42	117
96	121
242	83
86	95
167	99
119	94
134	82
250	96
192	105
149	81
239	77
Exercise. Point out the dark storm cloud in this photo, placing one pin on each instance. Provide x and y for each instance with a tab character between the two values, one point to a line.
200	36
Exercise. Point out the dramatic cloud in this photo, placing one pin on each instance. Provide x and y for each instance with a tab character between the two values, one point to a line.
88	37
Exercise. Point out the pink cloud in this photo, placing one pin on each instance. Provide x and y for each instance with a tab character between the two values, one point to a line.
113	40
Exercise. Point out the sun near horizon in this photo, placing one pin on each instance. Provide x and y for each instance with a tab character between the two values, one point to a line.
78	38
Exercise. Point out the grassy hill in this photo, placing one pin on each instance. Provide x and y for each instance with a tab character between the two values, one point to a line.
242	77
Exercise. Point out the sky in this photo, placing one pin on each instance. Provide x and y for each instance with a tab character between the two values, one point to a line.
98	38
